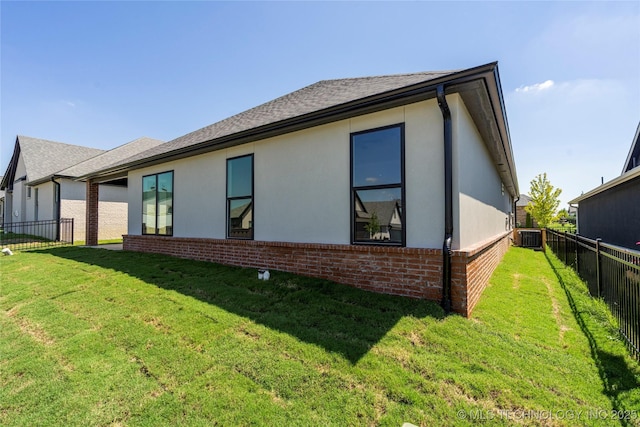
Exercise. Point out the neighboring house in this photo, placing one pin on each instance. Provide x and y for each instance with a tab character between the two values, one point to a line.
523	218
378	220
611	211
293	185
41	184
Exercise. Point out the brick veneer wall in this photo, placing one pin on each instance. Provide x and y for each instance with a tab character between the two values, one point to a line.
521	217
472	270
411	272
91	224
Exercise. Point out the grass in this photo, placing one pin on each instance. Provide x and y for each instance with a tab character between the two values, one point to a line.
567	226
90	337
100	242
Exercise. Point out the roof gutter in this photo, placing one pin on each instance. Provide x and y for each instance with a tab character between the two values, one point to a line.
448	198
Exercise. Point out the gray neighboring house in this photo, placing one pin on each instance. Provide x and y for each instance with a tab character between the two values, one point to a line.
611	211
41	183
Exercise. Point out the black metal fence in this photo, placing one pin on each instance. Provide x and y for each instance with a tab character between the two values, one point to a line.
36	234
611	273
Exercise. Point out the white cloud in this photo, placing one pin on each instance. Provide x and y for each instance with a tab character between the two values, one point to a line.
536	87
70	104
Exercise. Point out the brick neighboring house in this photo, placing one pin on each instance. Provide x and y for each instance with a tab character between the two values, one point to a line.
401	184
41	184
521	213
611	211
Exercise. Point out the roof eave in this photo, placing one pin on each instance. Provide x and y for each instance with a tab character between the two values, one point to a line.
9	175
628	176
47	178
634	142
409	94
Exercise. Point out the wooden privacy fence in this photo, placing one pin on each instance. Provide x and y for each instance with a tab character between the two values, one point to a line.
611	273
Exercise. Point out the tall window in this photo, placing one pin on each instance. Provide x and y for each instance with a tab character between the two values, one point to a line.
240	197
157	204
377	186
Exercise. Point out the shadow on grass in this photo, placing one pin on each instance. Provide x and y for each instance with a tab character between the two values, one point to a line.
613	369
339	318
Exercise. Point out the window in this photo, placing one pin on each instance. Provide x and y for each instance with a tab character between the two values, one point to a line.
377	186
157	204
240	197
28	192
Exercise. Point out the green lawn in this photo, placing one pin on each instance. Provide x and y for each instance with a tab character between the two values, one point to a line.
95	337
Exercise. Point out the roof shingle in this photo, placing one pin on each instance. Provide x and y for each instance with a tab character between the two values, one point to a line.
316	97
43	158
110	157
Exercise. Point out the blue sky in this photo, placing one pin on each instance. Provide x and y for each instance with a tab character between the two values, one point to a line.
104	73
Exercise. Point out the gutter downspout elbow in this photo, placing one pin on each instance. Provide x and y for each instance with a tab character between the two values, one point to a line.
448	199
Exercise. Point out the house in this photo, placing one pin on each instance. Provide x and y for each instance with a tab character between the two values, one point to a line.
523	218
611	211
41	184
295	184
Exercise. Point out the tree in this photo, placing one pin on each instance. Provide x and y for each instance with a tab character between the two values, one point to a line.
563	215
373	227
544	200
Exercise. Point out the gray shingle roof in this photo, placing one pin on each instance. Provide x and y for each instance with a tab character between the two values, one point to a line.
314	98
110	157
524	200
44	158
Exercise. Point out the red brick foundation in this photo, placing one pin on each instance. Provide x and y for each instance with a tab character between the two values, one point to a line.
411	272
472	270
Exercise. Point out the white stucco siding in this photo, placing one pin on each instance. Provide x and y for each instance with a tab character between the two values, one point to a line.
481	208
72	190
77	190
134	201
302	186
424	170
302	183
111	193
46	207
18	206
199	195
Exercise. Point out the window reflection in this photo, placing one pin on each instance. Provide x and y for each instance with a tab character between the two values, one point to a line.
149	204
157	204
240	197
377	191
165	203
378	215
376	158
240	218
